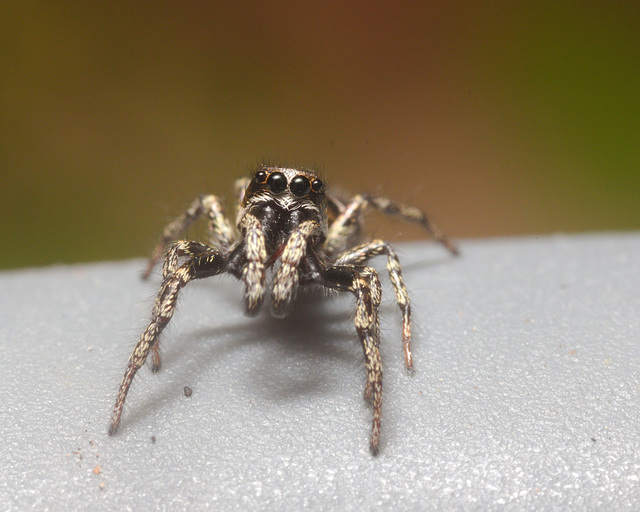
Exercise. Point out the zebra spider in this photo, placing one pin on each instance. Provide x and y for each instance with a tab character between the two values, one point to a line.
284	214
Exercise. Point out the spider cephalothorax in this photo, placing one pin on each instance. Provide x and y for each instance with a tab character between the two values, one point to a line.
284	215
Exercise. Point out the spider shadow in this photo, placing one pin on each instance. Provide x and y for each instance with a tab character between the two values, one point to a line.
281	360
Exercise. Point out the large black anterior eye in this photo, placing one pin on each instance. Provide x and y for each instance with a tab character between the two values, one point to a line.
300	186
276	182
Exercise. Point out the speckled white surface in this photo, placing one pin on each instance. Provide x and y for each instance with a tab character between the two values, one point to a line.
526	394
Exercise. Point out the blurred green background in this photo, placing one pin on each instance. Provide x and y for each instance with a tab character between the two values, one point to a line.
497	118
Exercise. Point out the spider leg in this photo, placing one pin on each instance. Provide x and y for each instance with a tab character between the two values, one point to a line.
364	283
221	232
240	187
348	224
177	251
203	261
359	256
287	278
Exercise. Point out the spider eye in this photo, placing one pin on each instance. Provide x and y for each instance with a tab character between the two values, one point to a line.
276	182
261	176
300	186
317	186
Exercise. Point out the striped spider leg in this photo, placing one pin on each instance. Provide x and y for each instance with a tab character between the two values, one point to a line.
221	232
346	229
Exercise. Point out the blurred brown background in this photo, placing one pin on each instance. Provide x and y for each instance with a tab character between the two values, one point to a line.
497	118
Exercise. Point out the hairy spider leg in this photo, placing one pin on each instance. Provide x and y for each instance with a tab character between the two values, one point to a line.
287	278
221	232
364	283
203	261
359	256
240	187
170	265
348	224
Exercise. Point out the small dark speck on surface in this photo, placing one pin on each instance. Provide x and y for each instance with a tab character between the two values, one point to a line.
187	391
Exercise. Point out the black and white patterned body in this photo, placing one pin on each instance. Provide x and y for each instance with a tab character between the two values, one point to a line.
285	216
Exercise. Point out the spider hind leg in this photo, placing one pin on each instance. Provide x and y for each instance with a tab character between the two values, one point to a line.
347	225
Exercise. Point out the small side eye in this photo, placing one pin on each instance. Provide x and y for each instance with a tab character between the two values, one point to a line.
261	176
300	186
276	182
317	186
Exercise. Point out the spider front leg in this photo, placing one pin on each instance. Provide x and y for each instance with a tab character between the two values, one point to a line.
221	232
364	283
203	261
359	256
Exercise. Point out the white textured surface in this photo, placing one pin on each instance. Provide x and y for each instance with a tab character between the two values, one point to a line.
526	394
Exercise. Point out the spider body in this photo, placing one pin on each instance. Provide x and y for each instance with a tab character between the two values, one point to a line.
284	215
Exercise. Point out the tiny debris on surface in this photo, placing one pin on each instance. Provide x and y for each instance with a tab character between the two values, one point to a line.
97	470
187	391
